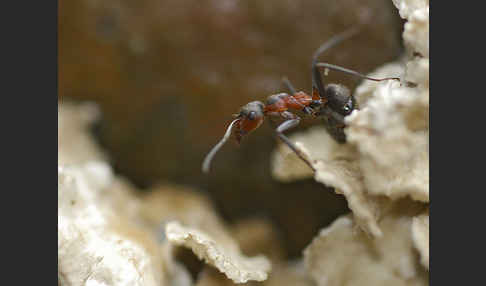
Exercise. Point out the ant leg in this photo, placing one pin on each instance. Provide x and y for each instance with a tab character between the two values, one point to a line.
334	123
334	115
286	125
289	85
352	72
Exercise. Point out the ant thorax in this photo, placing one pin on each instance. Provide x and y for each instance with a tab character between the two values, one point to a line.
282	101
276	102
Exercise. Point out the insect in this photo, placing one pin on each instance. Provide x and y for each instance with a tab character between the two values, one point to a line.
332	102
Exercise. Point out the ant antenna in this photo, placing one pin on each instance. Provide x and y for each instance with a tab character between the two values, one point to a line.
334	41
317	85
351	72
207	161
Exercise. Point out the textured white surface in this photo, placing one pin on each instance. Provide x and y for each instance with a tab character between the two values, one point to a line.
390	132
420	235
98	241
164	203
383	171
75	144
109	235
387	154
90	250
336	166
340	255
226	258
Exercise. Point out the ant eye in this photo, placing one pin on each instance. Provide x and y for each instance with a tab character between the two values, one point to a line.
251	115
348	107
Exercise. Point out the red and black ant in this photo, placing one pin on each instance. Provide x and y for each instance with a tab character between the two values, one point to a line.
332	102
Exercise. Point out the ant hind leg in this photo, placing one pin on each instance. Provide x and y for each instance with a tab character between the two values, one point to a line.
286	125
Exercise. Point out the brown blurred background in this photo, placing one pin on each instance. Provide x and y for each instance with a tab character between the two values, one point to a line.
168	75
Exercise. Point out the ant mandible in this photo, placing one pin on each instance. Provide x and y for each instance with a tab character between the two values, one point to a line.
332	102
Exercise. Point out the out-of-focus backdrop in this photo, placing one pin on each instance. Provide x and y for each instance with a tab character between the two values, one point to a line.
168	75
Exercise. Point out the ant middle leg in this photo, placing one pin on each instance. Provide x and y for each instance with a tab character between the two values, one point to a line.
334	124
292	121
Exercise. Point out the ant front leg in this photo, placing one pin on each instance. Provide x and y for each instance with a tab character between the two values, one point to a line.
292	121
334	124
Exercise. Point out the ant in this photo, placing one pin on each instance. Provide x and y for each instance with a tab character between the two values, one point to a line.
332	102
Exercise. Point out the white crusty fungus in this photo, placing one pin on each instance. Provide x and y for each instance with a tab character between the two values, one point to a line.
227	258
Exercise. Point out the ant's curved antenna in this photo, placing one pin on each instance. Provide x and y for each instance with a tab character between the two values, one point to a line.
317	85
352	72
334	41
207	161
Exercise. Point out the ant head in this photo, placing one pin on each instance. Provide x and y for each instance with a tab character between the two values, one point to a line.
340	98
252	110
250	118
